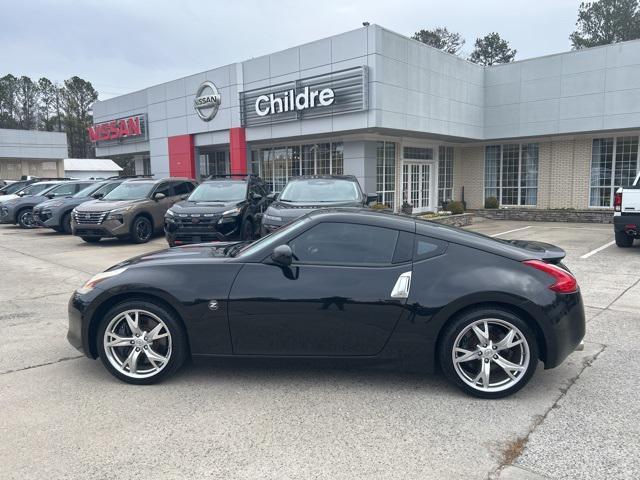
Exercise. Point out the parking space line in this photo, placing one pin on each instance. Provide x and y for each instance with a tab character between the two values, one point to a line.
593	252
509	231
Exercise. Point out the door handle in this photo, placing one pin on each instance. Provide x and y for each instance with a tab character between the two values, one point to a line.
402	286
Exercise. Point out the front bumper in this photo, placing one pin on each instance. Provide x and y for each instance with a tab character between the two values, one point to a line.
206	229
80	314
106	229
7	215
45	218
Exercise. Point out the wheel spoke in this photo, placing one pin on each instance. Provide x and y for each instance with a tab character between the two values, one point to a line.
483	335
133	322
116	340
508	366
132	361
484	375
467	355
155	334
154	357
508	341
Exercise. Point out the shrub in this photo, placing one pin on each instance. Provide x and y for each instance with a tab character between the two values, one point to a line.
407	208
491	202
455	207
379	206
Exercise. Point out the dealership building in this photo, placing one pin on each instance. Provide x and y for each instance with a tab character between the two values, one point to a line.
410	122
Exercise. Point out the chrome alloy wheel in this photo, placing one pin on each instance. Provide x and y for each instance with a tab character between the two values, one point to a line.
137	343
491	355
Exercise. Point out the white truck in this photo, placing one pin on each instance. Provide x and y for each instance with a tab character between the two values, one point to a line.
626	216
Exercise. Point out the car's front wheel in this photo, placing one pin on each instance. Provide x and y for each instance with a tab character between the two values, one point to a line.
488	352
141	342
141	230
25	218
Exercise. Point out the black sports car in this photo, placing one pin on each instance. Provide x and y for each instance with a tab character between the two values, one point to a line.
339	283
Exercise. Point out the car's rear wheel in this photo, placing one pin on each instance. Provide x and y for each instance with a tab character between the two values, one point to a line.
65	224
25	218
141	342
91	239
623	240
488	352
141	230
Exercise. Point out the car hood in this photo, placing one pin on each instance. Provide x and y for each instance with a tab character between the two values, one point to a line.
190	207
291	210
104	205
65	201
30	200
196	252
6	198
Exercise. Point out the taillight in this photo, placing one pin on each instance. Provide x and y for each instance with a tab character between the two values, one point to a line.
564	281
617	202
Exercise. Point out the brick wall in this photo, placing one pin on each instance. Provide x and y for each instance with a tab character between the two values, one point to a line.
564	167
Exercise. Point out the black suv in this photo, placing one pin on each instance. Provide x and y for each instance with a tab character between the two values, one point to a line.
221	208
304	194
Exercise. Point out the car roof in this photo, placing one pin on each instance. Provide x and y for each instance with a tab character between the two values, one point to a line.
350	178
159	180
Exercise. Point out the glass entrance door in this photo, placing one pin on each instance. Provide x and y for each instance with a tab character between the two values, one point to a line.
417	181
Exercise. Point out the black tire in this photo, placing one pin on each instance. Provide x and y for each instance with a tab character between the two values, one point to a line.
65	223
247	230
623	240
91	239
179	348
459	324
141	230
25	218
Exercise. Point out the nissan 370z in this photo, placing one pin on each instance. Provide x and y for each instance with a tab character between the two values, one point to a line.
339	283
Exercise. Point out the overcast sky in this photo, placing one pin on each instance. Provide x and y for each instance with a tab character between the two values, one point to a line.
125	45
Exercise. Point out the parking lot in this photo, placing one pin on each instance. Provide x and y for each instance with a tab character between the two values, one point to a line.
64	416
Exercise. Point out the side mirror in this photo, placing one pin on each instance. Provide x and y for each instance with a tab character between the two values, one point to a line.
51	195
282	255
159	196
372	197
98	196
272	196
20	194
256	196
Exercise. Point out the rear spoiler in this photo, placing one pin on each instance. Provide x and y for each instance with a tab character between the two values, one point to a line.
540	250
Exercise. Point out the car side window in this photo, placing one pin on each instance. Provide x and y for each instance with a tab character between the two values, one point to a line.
427	247
182	188
345	244
81	186
65	189
164	188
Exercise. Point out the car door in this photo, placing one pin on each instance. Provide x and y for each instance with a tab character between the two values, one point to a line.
335	299
159	207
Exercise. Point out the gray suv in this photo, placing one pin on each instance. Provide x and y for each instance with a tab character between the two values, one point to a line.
20	210
134	210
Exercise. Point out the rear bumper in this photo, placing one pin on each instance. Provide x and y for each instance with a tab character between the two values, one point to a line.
626	222
563	326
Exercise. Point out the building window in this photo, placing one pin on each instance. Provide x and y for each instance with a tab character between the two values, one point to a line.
386	173
445	174
277	164
511	174
614	163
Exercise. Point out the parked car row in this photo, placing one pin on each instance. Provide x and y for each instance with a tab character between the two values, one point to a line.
221	208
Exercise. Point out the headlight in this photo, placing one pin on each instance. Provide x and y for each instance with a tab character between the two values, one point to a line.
233	211
170	213
273	218
119	210
96	279
54	204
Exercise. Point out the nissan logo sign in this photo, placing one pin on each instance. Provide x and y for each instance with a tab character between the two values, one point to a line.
207	101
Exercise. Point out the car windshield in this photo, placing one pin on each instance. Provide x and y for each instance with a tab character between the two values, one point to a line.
223	191
37	188
88	191
320	190
12	188
272	240
130	191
